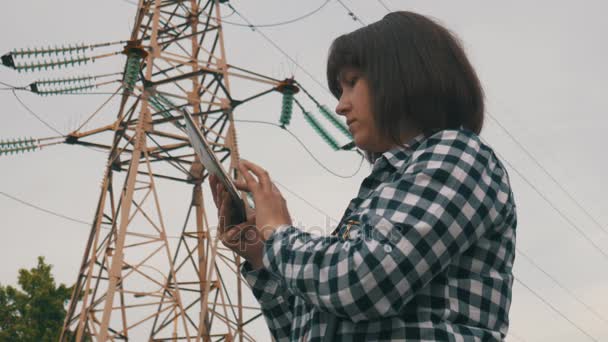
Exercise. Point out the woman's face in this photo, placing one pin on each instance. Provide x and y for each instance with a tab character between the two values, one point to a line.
356	105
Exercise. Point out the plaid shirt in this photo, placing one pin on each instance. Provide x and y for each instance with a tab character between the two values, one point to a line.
423	253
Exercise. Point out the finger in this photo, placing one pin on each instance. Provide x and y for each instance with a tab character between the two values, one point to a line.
231	236
241	184
224	212
250	182
213	186
260	173
276	189
217	196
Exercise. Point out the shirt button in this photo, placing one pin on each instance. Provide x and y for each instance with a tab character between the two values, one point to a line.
345	245
388	248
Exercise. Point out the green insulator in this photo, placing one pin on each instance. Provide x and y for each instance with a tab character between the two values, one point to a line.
132	71
287	108
17	145
321	131
335	120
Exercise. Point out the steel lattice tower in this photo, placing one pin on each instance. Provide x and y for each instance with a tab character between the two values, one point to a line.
136	279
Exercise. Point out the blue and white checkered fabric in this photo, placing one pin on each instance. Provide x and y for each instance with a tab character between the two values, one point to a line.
423	253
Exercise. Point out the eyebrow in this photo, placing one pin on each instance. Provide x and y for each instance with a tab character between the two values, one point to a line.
341	75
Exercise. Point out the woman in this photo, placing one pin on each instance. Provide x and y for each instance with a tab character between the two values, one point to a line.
425	251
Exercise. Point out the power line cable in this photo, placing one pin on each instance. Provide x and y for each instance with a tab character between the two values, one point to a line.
51	212
595	313
36	115
547	173
555	208
352	14
305	148
73	94
547	303
276	46
385	6
280	23
54	213
46	123
9	87
305	200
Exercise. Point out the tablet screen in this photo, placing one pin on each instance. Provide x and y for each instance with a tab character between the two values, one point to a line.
213	166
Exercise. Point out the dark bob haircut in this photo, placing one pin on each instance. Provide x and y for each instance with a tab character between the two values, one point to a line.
418	75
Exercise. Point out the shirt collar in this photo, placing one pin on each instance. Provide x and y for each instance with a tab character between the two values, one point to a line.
398	155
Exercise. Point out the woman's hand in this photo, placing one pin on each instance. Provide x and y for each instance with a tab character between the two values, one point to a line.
242	238
270	206
247	238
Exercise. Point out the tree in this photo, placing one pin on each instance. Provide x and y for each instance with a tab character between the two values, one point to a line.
36	312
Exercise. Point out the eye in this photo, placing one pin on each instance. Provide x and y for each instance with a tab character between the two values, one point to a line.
352	81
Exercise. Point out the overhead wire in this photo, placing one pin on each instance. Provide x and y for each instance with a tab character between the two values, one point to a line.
51	212
45	122
36	115
555	208
280	23
304	200
563	287
276	46
351	13
385	6
305	148
8	86
554	309
54	213
547	173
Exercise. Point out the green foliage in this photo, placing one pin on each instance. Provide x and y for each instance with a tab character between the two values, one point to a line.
36	311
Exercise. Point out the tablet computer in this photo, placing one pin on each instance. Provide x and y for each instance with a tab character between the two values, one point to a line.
213	166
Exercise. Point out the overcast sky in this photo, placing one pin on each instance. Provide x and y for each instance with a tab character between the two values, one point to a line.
543	67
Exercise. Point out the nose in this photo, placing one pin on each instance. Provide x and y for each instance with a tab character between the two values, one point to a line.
343	106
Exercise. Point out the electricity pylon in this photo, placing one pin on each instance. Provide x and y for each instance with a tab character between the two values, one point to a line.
136	280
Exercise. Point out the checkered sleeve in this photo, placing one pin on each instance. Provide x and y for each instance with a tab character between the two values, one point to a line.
449	194
275	300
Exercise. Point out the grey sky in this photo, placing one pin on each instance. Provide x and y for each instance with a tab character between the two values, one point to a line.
543	67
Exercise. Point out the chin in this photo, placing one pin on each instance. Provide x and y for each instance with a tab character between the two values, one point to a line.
361	143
